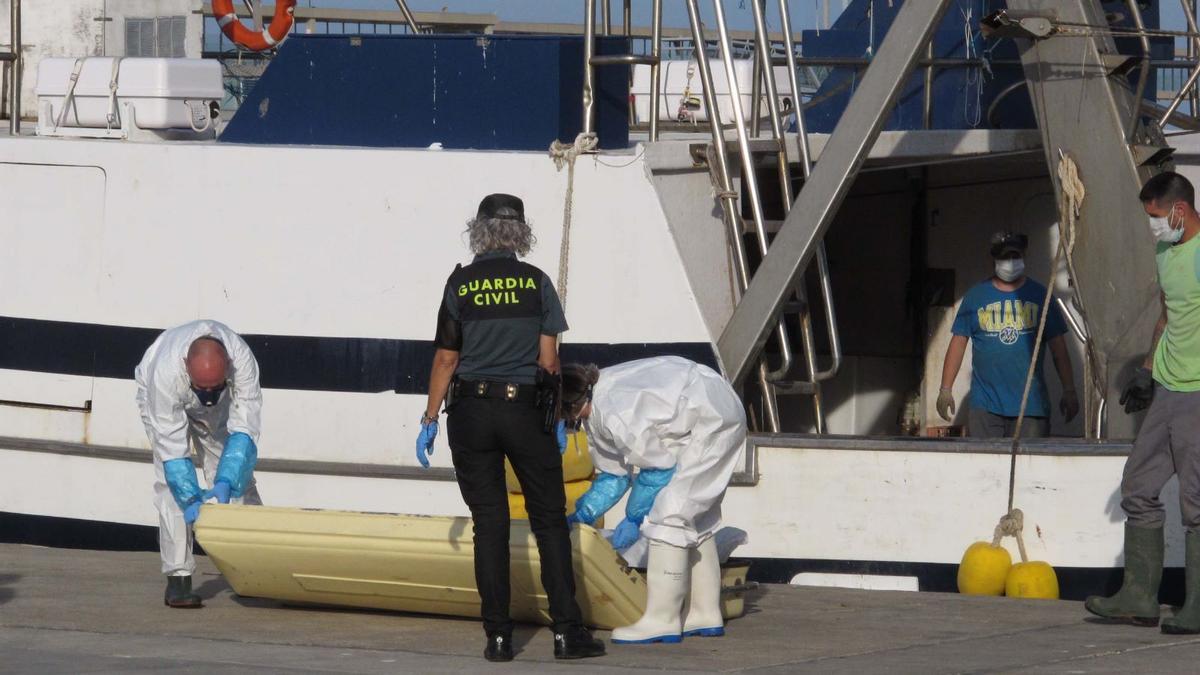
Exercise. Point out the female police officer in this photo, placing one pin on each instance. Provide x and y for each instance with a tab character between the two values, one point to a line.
497	325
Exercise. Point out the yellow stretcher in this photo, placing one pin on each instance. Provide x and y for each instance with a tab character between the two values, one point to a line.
410	563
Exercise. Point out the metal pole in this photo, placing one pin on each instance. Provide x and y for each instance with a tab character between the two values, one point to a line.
728	198
761	63
1143	72
927	103
796	243
606	14
752	194
589	47
16	66
655	68
627	18
408	16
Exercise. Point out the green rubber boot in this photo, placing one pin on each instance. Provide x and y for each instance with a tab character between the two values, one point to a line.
1187	620
1137	601
179	594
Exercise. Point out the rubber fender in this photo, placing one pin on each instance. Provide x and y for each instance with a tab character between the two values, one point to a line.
984	569
1033	579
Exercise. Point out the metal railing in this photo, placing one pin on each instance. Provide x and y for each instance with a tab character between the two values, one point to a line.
770	382
15	65
591	60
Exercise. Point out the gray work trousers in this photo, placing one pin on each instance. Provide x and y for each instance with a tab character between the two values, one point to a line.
1168	443
984	424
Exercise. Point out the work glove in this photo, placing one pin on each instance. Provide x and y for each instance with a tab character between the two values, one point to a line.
561	432
425	442
220	490
1139	392
192	512
945	404
1069	405
625	534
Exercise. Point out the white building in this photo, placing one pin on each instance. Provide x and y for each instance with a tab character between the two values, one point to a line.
99	28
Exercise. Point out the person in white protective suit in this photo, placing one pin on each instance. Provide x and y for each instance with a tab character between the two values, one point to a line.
681	426
197	388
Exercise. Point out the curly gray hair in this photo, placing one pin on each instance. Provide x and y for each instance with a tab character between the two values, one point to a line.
500	234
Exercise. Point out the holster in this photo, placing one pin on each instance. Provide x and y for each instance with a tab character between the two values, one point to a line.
549	394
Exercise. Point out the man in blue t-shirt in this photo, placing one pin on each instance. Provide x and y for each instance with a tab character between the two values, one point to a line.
1000	318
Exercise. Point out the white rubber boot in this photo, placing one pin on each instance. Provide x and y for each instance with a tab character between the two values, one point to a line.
702	613
666	586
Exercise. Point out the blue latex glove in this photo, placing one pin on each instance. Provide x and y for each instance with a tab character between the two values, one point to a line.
625	534
220	490
561	432
573	519
192	512
425	442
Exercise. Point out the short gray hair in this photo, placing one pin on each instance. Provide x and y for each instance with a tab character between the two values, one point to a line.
500	234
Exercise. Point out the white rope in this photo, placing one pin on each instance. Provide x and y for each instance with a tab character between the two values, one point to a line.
565	154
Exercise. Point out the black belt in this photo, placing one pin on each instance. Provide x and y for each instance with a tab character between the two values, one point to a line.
526	393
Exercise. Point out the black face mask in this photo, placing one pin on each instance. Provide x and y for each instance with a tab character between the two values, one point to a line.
209	397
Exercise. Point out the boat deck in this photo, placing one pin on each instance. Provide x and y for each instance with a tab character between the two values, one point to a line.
99	612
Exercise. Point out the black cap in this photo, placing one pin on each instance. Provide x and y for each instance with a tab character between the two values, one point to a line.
500	205
1008	242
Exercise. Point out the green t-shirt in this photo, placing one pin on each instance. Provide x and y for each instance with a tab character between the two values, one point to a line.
1177	358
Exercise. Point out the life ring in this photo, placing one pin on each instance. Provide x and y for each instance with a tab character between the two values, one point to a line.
255	41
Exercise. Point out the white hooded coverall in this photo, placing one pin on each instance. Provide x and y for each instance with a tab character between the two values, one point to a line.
175	421
665	412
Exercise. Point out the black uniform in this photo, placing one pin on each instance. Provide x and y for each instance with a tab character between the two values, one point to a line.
493	313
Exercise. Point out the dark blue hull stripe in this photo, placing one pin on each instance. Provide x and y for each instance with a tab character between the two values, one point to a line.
1075	583
342	364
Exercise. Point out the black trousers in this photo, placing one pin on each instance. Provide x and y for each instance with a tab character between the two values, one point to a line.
482	432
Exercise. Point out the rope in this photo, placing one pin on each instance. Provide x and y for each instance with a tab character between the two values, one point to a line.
1073	193
1011	525
565	154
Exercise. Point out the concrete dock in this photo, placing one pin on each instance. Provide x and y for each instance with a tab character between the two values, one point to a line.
72	611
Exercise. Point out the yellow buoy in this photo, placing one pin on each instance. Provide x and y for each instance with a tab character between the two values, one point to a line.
577	463
1033	579
984	569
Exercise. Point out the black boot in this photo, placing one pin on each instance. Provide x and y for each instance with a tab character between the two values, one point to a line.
179	593
499	647
576	642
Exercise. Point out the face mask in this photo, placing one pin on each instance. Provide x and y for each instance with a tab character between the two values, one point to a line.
1163	231
1010	270
209	397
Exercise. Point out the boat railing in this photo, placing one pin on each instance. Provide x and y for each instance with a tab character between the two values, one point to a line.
15	65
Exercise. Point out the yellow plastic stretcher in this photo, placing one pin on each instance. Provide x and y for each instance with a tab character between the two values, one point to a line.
410	563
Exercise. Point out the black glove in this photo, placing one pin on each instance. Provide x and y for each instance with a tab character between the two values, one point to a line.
1139	392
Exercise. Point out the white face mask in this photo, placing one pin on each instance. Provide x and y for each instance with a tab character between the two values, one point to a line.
1163	230
1010	270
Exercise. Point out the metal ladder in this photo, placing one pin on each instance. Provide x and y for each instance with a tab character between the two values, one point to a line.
771	382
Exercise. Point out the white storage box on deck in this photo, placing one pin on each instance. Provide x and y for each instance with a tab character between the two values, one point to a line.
677	77
164	93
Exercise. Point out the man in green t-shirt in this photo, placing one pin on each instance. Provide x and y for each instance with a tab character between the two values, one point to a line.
1168	442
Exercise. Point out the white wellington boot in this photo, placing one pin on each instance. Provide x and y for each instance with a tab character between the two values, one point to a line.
702	614
666	586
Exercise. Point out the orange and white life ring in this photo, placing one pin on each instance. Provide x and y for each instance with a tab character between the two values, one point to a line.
255	41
